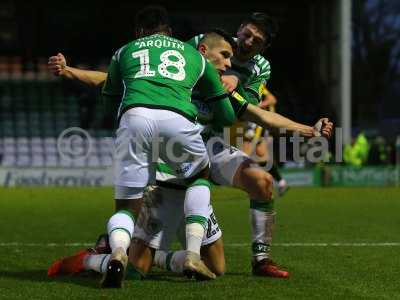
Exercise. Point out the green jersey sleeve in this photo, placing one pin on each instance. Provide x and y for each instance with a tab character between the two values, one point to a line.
253	89
253	92
224	114
209	84
113	85
212	91
228	111
239	104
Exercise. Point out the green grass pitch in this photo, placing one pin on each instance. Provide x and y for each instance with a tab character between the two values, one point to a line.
335	242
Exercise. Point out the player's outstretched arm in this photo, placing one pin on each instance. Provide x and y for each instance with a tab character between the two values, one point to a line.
58	66
270	119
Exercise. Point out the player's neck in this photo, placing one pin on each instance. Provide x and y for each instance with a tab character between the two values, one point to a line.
144	34
163	33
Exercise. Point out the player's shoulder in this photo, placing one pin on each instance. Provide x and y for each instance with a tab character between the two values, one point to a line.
262	63
117	54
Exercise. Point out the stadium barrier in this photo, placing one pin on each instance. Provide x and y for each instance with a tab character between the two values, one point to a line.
363	176
343	176
62	177
301	177
103	176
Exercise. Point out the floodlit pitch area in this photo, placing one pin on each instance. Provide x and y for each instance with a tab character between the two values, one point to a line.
337	243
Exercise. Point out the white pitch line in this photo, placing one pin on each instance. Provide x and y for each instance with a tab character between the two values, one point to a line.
77	244
16	244
385	244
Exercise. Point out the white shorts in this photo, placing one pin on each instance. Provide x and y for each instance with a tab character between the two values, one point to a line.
225	161
161	219
144	135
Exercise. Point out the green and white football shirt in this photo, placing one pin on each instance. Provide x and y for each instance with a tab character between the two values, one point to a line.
160	72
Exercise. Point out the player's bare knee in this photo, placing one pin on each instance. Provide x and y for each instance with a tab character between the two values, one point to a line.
220	269
269	181
216	266
265	187
141	256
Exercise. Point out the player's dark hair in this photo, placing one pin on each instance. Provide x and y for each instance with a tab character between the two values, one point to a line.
152	19
227	37
265	23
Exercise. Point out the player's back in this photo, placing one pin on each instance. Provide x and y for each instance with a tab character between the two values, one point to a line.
159	71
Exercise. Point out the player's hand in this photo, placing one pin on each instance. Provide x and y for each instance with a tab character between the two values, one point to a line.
323	127
57	64
230	82
268	102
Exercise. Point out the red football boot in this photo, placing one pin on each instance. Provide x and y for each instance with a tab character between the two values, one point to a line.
69	265
266	267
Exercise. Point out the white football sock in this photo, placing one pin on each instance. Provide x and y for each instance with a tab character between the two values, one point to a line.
176	261
160	259
97	262
197	201
194	237
171	261
262	217
120	229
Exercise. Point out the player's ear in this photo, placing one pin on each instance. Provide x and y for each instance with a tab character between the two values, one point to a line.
203	48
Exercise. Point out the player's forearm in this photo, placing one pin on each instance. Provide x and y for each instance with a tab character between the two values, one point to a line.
270	119
91	78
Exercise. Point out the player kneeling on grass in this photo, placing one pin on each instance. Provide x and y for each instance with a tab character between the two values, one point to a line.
161	220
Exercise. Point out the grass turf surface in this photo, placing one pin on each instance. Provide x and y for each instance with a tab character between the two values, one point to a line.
33	218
